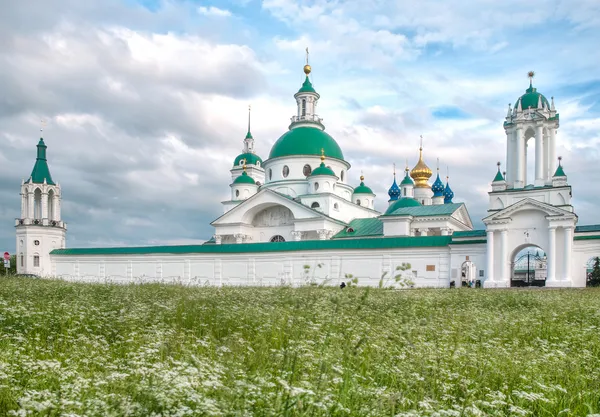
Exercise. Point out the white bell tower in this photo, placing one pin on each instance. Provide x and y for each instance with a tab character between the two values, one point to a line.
533	117
306	99
40	228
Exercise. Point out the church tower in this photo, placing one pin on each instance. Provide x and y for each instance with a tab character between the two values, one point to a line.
421	174
40	228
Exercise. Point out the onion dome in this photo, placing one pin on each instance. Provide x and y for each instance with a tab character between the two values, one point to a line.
407	180
402	203
499	177
307	85
41	172
362	188
248	158
394	191
306	141
448	193
322	169
438	186
559	170
421	172
531	98
244	178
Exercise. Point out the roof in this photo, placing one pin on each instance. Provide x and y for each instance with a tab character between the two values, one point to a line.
362	189
323	170
402	203
307	87
361	228
41	172
407	180
306	140
531	99
470	233
498	176
559	171
304	245
422	211
244	179
587	228
250	158
438	187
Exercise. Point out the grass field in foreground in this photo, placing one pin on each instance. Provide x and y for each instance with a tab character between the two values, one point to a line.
154	350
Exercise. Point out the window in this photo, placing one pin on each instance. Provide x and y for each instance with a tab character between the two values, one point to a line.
22	260
316	186
277	238
335	206
342	175
242	162
423	202
36	242
286	171
481	273
270	174
257	163
404	192
303	107
315	205
467	258
358	202
36	260
237	193
430	268
306	170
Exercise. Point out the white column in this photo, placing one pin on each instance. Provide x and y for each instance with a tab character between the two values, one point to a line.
30	205
57	211
568	249
520	148
547	176
509	175
424	232
490	258
551	255
552	152
44	205
54	207
504	255
539	156
23	205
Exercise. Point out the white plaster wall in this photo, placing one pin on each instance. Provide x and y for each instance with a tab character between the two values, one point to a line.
476	254
559	196
49	237
583	250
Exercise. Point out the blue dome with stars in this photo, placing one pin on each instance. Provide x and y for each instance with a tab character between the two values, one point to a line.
438	187
448	193
394	191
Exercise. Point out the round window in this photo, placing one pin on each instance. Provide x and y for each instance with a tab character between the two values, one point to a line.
315	205
286	171
242	162
270	174
237	193
36	242
316	186
277	238
306	170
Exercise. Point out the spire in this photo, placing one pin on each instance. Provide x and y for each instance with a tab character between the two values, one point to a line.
552	104
531	74
41	173
249	135
448	193
499	176
509	112
394	191
421	172
438	185
249	140
559	170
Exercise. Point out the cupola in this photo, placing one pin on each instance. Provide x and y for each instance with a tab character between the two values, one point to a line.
363	195
448	193
407	185
394	191
322	179
438	189
243	187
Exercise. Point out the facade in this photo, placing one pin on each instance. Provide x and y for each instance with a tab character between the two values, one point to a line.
300	216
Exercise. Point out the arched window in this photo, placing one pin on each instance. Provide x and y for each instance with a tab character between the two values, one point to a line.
257	163
37	204
315	205
36	260
51	205
358	202
342	175
277	238
316	186
286	171
237	193
336	206
270	174
404	192
303	107
307	170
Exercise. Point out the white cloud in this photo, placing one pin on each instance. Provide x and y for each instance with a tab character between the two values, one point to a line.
213	11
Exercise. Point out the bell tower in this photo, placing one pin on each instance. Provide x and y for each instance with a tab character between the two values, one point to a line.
532	118
40	228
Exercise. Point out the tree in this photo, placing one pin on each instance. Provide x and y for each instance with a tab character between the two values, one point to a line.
594	277
13	266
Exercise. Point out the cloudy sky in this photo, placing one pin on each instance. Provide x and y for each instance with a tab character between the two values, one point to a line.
146	100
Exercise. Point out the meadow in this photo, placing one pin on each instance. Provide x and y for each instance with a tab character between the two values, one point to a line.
156	350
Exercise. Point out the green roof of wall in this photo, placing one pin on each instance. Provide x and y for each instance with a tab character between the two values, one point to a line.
306	141
420	211
470	233
587	228
362	228
305	245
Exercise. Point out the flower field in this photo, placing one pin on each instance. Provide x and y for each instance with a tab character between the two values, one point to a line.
154	350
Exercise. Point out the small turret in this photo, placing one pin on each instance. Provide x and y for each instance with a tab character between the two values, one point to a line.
559	179
243	187
499	182
394	191
363	195
448	193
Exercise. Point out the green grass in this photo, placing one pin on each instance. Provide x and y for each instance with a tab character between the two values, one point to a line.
155	350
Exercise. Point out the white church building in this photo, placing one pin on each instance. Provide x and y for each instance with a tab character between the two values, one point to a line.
298	216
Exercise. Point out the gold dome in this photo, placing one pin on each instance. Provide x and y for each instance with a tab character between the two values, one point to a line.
421	172
307	69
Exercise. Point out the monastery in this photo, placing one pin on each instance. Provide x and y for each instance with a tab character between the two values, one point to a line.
297	218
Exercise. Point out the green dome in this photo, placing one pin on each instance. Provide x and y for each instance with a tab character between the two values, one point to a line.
244	179
307	87
402	203
362	189
251	159
306	141
531	99
407	180
323	170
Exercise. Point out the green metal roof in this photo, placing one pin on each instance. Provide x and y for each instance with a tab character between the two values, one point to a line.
498	176
306	141
531	98
362	189
305	245
251	159
244	179
470	233
587	228
41	171
422	211
362	228
307	87
402	203
559	171
407	180
323	170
